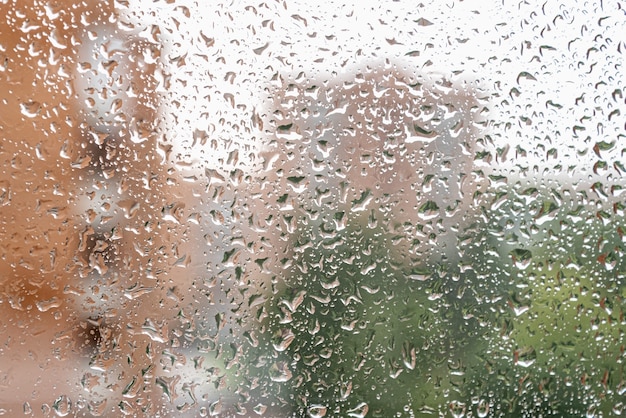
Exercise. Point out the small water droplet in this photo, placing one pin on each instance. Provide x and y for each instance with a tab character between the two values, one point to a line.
46	305
428	210
260	409
30	109
483	408
457	409
317	411
62	406
521	258
525	357
359	411
284	338
279	372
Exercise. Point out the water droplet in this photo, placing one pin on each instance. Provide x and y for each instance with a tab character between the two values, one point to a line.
30	109
359	411
457	409
521	258
279	372
317	411
260	409
284	338
46	305
428	210
483	408
525	357
62	406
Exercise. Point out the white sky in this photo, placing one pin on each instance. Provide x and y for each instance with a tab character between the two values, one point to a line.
568	50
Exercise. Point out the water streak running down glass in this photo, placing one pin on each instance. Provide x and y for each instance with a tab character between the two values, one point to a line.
305	209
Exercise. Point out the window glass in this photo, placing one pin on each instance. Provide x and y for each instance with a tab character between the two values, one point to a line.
322	209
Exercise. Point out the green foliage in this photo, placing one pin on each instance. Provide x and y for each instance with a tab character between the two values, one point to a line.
527	319
558	348
358	323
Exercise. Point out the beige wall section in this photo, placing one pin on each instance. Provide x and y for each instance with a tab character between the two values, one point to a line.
84	248
38	131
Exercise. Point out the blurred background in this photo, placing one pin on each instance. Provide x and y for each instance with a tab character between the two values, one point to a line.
295	209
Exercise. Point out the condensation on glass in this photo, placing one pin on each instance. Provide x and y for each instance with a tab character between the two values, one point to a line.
312	209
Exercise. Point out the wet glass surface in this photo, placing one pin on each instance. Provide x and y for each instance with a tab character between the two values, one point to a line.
312	209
